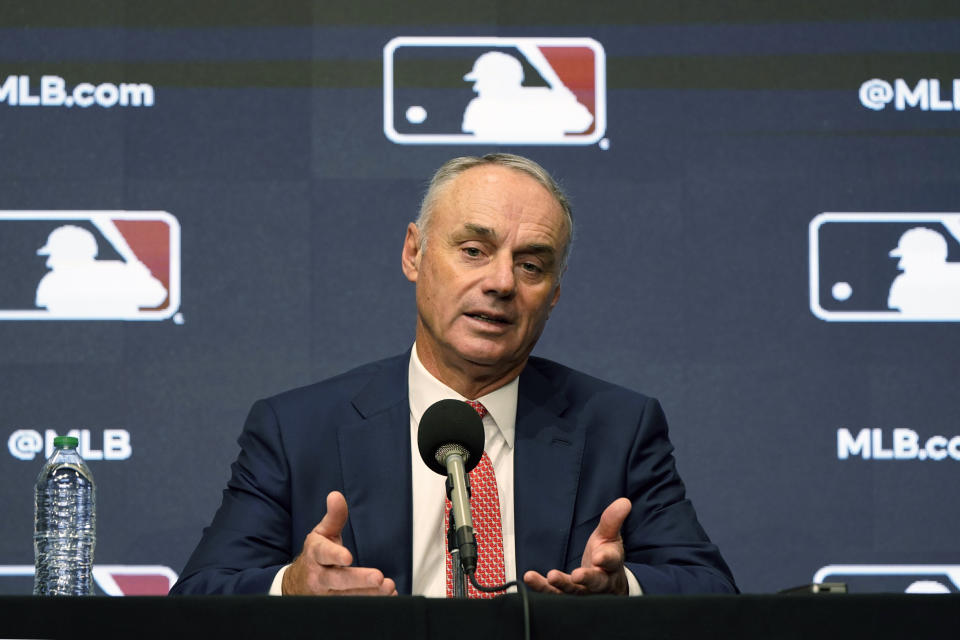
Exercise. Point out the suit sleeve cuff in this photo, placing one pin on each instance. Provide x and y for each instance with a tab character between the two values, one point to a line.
633	586
276	587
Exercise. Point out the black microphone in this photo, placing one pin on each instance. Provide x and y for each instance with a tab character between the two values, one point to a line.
450	439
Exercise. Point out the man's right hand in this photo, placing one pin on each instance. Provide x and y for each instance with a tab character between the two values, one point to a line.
323	567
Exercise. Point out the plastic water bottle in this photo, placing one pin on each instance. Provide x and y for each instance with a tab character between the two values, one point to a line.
64	530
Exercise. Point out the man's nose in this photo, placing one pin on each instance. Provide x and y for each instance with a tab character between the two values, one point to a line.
500	278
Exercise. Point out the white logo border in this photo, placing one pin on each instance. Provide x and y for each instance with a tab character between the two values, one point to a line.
814	260
600	87
78	214
103	574
952	571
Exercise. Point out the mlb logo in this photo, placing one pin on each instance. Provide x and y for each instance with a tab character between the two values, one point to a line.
133	580
885	267
108	579
522	91
893	578
89	265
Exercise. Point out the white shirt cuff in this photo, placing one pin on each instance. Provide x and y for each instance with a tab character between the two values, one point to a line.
276	587
633	586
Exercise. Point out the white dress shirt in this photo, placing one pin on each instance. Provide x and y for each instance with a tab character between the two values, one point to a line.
429	488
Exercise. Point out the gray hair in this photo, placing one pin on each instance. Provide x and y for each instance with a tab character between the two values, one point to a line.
453	168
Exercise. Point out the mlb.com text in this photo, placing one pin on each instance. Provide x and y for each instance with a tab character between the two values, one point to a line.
52	91
901	444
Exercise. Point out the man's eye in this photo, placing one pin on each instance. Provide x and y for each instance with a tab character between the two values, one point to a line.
530	267
473	252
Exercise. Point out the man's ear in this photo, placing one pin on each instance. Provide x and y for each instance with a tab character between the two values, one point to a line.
410	258
556	298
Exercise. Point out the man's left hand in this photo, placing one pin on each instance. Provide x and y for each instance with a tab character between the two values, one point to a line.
602	569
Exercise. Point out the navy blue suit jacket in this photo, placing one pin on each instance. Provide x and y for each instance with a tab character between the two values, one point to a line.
580	444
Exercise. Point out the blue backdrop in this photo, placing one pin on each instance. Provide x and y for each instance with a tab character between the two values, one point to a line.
815	426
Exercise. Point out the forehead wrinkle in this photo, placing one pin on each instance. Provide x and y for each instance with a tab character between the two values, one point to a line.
480	230
538	248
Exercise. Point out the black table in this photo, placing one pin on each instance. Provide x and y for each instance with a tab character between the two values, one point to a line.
904	617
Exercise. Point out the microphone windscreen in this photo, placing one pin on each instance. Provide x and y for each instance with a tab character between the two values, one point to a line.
450	422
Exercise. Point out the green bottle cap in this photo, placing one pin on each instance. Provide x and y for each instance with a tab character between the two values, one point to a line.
66	441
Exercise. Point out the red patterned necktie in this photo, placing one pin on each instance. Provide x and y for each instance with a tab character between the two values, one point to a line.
485	509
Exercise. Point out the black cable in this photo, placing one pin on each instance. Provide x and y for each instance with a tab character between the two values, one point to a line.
521	589
480	587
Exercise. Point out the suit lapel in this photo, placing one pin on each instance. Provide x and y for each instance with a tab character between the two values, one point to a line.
375	459
549	449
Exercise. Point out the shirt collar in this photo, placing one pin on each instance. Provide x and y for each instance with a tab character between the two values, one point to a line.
425	389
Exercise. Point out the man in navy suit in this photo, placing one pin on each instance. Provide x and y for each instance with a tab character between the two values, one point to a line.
590	499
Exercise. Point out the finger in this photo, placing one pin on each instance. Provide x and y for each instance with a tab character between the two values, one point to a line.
600	581
612	518
539	583
332	523
608	556
337	579
388	588
374	591
562	582
593	580
325	552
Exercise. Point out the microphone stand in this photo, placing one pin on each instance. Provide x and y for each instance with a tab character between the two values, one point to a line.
459	578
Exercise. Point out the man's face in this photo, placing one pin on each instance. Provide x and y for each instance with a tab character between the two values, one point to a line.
488	275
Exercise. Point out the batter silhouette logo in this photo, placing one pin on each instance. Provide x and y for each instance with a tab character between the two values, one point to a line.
89	265
885	267
492	90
